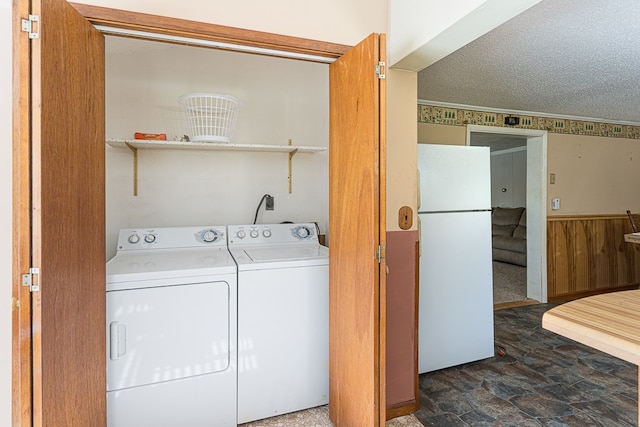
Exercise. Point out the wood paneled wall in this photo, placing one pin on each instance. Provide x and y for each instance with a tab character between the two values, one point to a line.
587	255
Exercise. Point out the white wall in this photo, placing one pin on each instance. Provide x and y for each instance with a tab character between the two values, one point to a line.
413	24
402	131
282	99
5	213
593	174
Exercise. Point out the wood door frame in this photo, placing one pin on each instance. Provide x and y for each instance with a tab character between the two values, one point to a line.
21	228
155	24
536	204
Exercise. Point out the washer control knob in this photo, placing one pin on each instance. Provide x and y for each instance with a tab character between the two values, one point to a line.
253	233
134	238
266	233
209	236
149	238
302	232
241	234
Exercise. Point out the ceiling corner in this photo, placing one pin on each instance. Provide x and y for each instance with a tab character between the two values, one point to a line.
479	21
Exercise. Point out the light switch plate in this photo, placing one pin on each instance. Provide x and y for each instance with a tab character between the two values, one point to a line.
405	218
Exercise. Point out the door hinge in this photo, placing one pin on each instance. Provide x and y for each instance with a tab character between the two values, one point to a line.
32	279
380	69
31	26
380	254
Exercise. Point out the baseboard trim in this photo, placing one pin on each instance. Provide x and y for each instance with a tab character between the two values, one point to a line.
567	297
512	304
403	408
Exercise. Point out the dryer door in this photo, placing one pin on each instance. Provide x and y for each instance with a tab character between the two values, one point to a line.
166	333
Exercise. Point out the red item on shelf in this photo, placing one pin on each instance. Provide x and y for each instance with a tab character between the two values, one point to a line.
151	136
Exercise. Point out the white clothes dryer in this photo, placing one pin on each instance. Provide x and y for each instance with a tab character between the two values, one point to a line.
283	319
172	329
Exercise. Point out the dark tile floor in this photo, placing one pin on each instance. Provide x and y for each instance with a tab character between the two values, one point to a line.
542	380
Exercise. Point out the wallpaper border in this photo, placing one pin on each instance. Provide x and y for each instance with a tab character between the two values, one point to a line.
461	117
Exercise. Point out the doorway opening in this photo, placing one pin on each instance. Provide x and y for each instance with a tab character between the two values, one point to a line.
534	144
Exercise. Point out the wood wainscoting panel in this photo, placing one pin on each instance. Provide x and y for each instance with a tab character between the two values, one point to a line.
587	255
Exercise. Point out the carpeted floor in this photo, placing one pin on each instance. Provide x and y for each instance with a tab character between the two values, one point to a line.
509	282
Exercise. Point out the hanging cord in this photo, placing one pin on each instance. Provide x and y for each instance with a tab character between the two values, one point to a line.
258	208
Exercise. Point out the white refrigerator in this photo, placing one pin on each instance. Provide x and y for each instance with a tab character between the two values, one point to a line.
456	277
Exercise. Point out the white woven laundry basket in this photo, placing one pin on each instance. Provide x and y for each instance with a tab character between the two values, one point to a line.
210	117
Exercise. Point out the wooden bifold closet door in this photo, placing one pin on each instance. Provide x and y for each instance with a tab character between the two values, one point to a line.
357	321
66	219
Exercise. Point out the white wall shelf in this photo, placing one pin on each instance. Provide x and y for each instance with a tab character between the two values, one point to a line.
221	146
137	144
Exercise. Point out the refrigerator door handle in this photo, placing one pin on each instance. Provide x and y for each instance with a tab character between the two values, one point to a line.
419	236
418	204
454	211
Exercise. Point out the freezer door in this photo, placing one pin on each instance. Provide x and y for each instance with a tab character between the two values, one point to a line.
454	178
456	290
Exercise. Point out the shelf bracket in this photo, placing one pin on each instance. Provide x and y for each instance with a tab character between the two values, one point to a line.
135	167
291	154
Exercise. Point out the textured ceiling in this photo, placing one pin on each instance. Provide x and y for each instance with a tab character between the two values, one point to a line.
567	57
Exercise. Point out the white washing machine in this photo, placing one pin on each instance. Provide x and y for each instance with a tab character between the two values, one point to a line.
283	319
172	329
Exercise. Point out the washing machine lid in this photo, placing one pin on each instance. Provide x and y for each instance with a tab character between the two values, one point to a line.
132	266
280	256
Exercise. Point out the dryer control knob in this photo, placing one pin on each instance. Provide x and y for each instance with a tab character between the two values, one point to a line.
253	233
241	234
134	238
266	233
209	236
149	238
